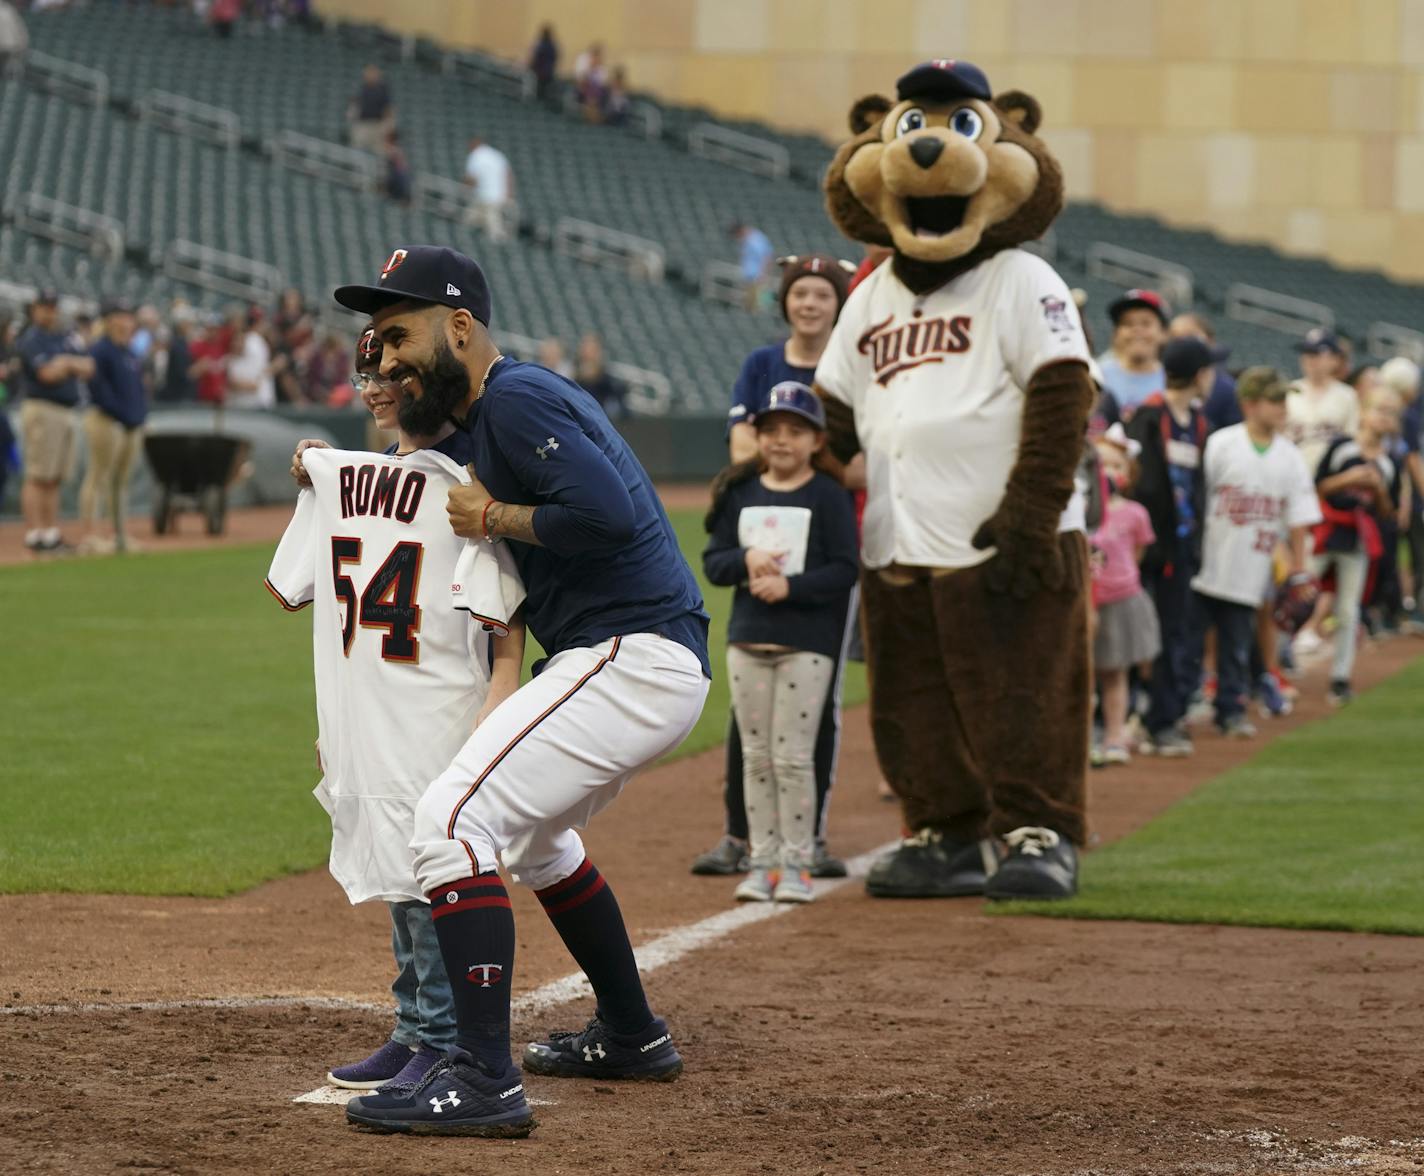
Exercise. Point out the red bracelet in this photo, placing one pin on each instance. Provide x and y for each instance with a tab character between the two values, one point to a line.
484	519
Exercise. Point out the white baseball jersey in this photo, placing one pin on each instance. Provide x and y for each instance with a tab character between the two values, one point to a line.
1314	419
1252	499
937	383
400	642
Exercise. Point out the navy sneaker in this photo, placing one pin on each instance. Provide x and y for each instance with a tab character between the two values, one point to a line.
457	1096
596	1051
371	1072
1041	864
419	1065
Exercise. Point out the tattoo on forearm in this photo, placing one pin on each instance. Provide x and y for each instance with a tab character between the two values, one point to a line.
513	522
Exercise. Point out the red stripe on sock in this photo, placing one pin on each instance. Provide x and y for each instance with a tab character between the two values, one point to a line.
572	880
468	904
577	900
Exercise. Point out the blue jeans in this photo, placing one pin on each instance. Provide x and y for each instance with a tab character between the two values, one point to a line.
1177	671
1235	626
425	1006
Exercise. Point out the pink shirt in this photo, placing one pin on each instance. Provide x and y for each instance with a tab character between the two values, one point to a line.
1125	527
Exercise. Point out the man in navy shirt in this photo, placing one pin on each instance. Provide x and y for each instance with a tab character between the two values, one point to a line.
52	364
619	616
113	427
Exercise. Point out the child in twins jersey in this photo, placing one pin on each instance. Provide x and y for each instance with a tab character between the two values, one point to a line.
1126	633
375	770
786	539
1258	491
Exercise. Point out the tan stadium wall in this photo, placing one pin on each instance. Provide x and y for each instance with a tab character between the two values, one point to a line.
1299	122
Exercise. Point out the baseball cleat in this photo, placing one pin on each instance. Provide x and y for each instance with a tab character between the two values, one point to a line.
596	1051
371	1072
457	1096
728	856
1041	864
931	865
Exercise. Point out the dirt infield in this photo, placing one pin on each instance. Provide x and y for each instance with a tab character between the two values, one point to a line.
850	1036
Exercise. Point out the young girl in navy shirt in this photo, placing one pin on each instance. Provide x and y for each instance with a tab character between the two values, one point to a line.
785	538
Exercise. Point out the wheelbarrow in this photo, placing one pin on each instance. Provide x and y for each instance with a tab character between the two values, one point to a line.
193	471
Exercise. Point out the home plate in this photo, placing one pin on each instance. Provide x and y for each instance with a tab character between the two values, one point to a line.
340	1096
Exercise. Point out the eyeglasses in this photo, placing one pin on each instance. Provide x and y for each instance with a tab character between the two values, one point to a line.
361	381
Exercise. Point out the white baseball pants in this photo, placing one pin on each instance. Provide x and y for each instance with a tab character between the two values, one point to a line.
550	757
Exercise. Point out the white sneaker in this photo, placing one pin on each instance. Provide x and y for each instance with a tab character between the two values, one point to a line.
1306	642
757	886
794	886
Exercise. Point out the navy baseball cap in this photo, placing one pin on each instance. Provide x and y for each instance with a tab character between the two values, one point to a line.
1318	339
423	273
789	396
1183	358
944	80
45	297
369	350
1145	299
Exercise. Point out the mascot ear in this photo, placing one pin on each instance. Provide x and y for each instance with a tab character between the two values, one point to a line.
1021	109
867	112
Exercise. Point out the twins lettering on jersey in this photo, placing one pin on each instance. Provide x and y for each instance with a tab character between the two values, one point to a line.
896	348
1242	508
392	490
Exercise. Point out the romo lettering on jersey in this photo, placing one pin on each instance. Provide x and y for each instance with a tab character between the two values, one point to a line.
364	492
894	349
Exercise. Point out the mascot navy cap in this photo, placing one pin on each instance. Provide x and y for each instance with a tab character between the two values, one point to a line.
789	396
944	80
424	273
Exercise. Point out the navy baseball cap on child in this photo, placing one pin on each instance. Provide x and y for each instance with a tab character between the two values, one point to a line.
424	273
789	396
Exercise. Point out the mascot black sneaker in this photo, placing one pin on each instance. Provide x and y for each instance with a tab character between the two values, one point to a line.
931	865
456	1097
596	1051
1040	864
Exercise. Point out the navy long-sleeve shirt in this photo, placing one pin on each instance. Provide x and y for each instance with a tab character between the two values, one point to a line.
116	388
610	563
812	617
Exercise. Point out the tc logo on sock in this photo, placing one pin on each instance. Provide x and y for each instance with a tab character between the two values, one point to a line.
485	975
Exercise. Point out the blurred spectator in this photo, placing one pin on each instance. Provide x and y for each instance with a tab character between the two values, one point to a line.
487	171
1320	407
544	61
1171	429
1364	380
1345	359
616	101
398	179
1359	487
591	374
328	373
292	344
14	39
210	353
223	15
1258	493
9	365
113	430
1401	375
371	113
590	77
52	365
754	257
1131	367
553	357
250	368
1221	407
179	382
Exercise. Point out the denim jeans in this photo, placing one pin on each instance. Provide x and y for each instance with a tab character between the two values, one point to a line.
1177	671
1235	626
425	1007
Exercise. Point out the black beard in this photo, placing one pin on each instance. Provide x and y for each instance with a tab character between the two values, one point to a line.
444	386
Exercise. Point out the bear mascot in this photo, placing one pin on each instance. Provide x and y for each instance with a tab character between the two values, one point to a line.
960	369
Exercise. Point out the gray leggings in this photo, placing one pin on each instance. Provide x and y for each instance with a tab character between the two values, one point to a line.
778	698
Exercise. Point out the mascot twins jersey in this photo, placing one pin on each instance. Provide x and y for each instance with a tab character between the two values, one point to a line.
960	369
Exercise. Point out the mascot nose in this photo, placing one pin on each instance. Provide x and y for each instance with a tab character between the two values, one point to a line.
926	149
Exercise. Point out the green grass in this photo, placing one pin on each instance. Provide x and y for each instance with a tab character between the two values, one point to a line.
1322	829
159	718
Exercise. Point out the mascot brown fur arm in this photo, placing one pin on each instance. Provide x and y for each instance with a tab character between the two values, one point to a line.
1025	527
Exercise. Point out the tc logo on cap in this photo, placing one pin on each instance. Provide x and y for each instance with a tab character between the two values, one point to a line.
392	263
944	63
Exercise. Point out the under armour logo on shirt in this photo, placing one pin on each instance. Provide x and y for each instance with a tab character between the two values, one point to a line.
544	450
